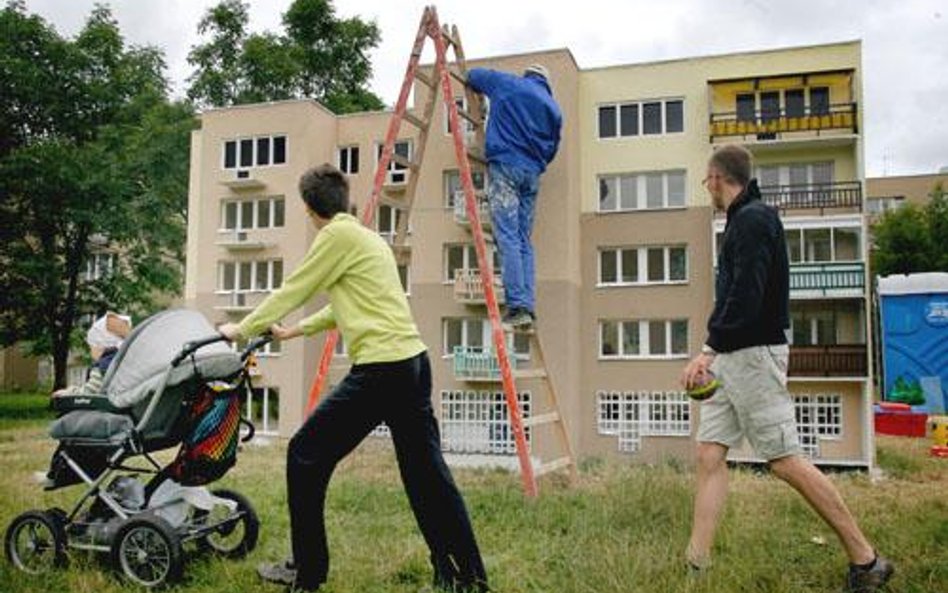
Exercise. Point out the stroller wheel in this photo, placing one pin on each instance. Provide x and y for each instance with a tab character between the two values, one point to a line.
237	531
36	542
147	551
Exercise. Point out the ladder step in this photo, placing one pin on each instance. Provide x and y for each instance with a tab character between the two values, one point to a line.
414	120
402	253
448	38
469	116
530	374
458	76
395	188
539	419
476	156
424	79
552	466
404	161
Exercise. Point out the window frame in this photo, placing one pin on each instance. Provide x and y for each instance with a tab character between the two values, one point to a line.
644	341
254	156
618	107
641	184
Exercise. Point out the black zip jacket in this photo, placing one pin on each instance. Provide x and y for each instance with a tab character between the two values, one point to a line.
752	288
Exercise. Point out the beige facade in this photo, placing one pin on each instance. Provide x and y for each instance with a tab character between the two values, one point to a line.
886	193
625	242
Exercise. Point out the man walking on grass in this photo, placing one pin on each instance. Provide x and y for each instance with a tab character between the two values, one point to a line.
390	381
523	135
747	351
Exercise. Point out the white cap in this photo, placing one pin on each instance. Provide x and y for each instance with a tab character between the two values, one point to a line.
538	69
100	336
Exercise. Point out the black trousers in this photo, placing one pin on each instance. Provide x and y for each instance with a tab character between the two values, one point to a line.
398	393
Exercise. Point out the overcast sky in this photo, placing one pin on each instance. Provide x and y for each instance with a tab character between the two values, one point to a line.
905	45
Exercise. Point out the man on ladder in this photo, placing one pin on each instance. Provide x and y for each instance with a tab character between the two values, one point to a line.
523	135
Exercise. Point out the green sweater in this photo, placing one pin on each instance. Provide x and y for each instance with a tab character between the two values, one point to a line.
366	299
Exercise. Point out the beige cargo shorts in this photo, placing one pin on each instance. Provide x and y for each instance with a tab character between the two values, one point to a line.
752	402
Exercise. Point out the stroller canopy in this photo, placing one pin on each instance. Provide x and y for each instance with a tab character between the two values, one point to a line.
148	351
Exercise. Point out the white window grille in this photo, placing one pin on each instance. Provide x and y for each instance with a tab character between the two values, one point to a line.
479	422
630	415
818	417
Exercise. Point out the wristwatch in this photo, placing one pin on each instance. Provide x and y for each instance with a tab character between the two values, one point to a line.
705	349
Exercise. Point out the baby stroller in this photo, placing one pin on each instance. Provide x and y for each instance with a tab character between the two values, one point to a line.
173	382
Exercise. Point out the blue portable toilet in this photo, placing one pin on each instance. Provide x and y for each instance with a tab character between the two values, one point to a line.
914	324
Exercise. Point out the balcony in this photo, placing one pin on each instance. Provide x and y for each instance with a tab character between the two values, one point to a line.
242	181
781	123
473	363
460	209
239	241
829	361
469	290
843	195
829	280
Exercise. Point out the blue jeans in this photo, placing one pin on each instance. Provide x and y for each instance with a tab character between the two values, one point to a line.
512	192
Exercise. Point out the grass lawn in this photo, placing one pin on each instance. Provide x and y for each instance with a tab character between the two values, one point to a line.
621	529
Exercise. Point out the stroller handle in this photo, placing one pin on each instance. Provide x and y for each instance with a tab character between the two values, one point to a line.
255	344
192	347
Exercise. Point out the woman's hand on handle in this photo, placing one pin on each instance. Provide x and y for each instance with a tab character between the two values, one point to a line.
285	333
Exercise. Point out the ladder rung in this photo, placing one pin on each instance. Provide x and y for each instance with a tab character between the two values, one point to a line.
476	156
402	253
552	466
525	330
395	188
447	37
458	76
539	419
414	120
424	79
530	374
469	117
404	161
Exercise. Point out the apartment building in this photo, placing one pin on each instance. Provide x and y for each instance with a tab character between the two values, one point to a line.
625	240
891	192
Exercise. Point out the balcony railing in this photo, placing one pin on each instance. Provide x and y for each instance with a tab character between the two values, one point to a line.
460	209
822	196
828	280
469	289
768	124
475	364
828	361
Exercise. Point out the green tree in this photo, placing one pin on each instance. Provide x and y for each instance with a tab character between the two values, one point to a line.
93	157
912	239
319	56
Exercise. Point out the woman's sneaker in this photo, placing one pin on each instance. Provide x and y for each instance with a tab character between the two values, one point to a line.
869	579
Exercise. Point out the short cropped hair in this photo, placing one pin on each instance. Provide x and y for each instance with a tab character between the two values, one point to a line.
734	162
325	190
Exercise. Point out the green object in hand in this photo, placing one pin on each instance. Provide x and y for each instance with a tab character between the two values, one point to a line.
704	390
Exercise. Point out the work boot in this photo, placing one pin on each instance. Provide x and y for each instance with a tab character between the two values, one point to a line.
516	317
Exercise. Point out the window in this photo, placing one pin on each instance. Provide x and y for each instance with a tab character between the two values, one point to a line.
263	409
746	107
99	265
641	118
467	126
253	213
474	333
340	347
260	151
819	417
795	102
396	173
349	160
249	276
880	205
463	256
642	191
478	422
630	415
386	221
833	244
819	100
643	339
643	265
770	105
452	185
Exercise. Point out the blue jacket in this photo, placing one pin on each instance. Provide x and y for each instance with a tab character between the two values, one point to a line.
523	129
